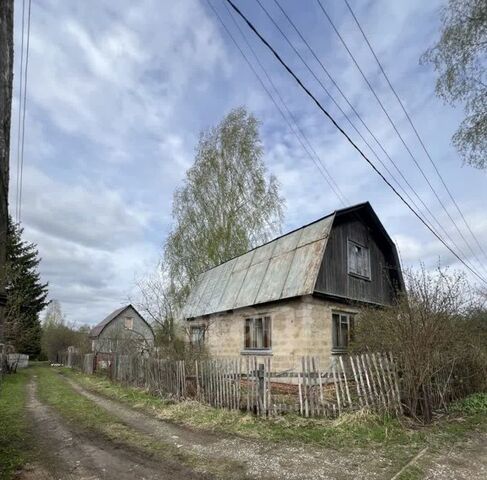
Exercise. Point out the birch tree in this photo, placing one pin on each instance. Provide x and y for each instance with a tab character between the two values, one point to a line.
460	58
227	205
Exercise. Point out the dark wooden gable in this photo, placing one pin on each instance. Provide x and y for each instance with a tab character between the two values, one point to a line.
360	261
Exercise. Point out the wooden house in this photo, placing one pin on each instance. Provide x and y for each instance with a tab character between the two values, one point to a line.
298	294
123	331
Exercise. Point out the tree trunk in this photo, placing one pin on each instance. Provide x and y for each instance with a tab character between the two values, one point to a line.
6	79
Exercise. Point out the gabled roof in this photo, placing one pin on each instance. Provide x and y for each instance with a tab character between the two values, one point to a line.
285	267
96	330
282	268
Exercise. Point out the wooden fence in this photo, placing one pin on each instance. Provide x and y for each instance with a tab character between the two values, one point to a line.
312	388
347	383
17	360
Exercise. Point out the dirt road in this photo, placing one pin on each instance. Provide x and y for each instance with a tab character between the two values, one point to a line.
260	459
69	455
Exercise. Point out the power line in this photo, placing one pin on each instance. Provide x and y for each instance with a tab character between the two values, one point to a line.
21	82
340	129
428	210
335	185
414	128
391	121
331	182
23	113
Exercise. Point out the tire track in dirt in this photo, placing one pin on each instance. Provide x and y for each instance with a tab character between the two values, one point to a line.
69	455
261	459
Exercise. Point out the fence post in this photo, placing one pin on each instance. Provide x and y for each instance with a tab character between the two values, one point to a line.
260	374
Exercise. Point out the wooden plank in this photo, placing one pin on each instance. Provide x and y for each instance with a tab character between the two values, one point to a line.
337	392
248	384
300	390
226	401
314	392
256	389
387	385
340	383
231	384
322	403
239	385
349	399
367	380
271	398
305	387
382	388
357	382
396	381
373	380
363	385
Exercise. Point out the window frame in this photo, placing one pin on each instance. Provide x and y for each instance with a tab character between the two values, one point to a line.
250	329
353	243
201	339
130	321
337	349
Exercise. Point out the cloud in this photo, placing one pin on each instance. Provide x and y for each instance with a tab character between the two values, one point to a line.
119	94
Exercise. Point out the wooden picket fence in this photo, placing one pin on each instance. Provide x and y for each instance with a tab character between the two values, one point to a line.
159	376
312	388
347	383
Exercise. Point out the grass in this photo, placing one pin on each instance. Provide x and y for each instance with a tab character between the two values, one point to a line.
397	440
82	414
352	430
15	449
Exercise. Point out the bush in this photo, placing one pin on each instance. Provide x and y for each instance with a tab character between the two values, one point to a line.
437	332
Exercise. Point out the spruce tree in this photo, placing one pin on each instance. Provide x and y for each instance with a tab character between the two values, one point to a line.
26	294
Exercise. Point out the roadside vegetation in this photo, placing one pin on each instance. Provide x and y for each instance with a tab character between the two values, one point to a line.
437	334
15	449
359	429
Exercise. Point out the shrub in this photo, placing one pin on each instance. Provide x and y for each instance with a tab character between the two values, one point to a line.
436	330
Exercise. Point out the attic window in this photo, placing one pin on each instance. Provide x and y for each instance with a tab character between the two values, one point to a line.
129	323
358	260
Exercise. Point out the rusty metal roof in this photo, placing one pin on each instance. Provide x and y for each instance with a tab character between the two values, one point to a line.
283	268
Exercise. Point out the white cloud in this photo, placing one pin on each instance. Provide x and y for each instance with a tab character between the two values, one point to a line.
118	95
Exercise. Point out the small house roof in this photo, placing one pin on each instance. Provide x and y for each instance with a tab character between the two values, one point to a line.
96	330
285	267
282	268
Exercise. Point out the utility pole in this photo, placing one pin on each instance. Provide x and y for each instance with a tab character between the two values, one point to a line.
6	79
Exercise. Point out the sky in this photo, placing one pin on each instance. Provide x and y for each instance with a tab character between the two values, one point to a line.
118	93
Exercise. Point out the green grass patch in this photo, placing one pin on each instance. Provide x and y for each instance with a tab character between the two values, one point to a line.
475	404
15	449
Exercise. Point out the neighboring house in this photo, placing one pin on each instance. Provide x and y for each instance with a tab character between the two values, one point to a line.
124	330
298	294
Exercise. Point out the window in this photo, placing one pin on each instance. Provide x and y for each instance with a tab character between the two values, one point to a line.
358	260
342	331
197	335
257	333
129	323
